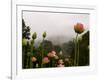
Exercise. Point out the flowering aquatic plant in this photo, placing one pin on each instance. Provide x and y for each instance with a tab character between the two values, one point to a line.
79	28
34	59
34	36
45	60
51	54
44	34
24	42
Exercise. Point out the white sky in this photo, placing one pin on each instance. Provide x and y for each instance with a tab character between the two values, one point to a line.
59	25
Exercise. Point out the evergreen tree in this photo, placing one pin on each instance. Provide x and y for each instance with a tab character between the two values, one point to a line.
25	30
25	44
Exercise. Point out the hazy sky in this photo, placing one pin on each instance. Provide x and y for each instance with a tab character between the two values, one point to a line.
57	25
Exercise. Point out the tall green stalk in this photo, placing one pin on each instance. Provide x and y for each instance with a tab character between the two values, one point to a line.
34	36
32	42
79	28
42	53
78	53
27	61
75	58
23	56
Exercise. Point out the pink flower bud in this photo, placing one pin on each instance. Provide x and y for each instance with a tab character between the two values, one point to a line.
54	52
79	28
34	59
51	54
46	60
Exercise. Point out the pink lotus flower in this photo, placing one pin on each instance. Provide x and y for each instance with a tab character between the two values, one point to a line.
46	60
34	59
51	54
54	52
79	28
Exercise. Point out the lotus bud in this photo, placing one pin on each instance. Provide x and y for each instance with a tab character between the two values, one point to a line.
24	42
34	59
44	34
79	28
50	54
34	36
45	60
60	53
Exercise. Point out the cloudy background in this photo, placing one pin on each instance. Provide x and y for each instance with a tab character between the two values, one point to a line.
59	26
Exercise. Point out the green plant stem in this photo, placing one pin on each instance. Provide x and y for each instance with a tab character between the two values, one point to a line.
23	56
42	53
78	53
27	61
75	53
31	53
75	59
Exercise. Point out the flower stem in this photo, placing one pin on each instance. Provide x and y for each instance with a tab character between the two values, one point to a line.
78	54
23	57
27	61
42	53
75	59
31	53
